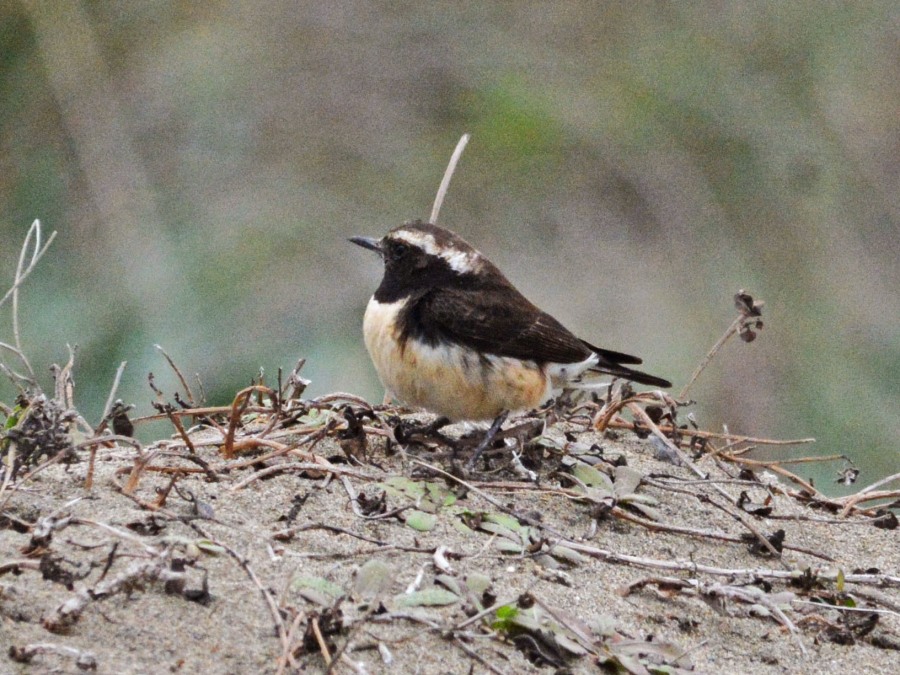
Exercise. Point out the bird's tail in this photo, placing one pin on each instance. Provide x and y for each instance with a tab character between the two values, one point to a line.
617	370
610	363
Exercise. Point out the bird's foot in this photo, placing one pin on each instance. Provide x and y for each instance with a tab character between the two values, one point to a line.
410	432
488	439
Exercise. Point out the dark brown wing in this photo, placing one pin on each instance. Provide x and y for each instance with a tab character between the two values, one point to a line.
495	320
499	320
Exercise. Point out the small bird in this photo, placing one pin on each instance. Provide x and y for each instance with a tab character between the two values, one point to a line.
449	333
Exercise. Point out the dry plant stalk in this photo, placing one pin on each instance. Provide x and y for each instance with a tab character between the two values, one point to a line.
22	272
178	374
448	174
238	407
749	313
138	468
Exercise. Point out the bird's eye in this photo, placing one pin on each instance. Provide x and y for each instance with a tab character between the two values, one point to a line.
399	250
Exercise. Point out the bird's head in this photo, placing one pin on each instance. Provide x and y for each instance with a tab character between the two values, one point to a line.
418	256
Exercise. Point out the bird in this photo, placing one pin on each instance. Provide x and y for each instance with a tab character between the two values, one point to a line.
449	333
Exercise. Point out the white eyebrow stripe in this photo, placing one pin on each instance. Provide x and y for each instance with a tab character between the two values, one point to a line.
464	262
421	239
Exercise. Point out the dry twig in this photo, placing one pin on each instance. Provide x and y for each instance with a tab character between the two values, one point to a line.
749	312
448	174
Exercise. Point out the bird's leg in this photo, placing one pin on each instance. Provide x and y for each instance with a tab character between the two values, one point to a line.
436	426
405	432
488	439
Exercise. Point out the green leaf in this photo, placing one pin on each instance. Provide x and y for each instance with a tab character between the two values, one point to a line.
429	497
505	615
507	612
504	532
421	521
450	583
548	442
316	417
208	546
627	480
477	582
635	498
592	477
529	619
373	578
461	527
648	511
439	494
400	486
547	561
317	584
568	554
14	418
430	597
507	546
504	520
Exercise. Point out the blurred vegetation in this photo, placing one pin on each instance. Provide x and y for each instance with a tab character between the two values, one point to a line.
632	166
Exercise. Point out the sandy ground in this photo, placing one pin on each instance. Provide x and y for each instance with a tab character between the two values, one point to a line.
275	565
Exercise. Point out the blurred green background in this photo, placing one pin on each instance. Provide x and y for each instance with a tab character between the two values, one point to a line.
632	165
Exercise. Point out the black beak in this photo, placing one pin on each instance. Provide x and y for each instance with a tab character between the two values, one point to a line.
368	242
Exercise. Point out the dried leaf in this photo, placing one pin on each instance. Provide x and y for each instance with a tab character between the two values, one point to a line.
746	305
885	520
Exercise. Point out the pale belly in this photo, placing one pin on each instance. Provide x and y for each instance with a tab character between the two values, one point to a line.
449	380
